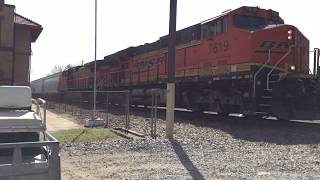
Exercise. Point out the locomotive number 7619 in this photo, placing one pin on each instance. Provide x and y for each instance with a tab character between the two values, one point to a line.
218	47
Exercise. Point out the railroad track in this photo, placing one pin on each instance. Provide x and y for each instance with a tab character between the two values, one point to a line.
183	114
208	115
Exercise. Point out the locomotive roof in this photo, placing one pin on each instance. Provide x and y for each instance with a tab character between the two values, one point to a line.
89	64
182	36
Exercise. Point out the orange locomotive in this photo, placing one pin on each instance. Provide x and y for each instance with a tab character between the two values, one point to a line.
243	61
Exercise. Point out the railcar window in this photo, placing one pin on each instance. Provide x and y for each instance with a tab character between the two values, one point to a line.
215	27
218	27
224	24
249	22
205	31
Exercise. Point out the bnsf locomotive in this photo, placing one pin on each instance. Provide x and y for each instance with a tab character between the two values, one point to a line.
242	61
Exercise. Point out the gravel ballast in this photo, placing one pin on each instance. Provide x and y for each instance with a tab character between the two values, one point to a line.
204	147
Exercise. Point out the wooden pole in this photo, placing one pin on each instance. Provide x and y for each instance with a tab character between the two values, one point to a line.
171	70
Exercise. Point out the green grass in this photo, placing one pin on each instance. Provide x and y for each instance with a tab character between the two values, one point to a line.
83	135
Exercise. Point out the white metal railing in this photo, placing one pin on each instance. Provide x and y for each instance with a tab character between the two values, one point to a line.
40	103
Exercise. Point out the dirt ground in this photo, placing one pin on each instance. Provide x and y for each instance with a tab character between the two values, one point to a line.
58	122
122	165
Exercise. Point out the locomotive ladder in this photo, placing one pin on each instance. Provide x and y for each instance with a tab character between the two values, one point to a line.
264	103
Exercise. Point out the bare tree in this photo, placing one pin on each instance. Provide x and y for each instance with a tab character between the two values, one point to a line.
56	69
60	68
69	66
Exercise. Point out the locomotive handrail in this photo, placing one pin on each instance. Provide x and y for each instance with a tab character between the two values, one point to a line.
278	62
256	74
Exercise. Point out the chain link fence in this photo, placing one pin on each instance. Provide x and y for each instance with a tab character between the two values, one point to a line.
114	107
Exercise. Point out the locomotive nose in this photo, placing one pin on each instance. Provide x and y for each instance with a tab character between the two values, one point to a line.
275	41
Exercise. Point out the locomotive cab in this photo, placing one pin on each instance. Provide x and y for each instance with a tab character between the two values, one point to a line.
266	31
281	63
272	55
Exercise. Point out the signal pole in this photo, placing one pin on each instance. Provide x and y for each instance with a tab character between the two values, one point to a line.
171	70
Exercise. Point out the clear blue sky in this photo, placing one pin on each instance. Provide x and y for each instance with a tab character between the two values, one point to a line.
68	35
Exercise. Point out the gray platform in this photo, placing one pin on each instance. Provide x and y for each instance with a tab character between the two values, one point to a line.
19	121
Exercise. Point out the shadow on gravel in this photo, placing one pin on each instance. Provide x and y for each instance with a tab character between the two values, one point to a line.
258	130
185	160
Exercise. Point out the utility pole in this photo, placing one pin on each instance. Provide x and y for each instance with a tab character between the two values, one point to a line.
171	70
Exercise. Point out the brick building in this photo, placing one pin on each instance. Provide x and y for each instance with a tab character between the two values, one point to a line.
16	35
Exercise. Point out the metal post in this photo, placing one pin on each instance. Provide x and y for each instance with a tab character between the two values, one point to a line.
45	115
54	171
38	109
80	107
315	61
128	110
155	115
95	63
318	56
72	109
152	115
107	112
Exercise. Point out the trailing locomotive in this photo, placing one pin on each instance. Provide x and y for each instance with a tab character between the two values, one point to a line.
242	61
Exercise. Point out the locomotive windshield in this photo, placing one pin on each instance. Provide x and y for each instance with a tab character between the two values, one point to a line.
254	22
249	22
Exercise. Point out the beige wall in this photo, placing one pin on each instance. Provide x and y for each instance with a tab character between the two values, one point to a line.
21	73
7	23
5	66
23	41
6	43
22	49
22	56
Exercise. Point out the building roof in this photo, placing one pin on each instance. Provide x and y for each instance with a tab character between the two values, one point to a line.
36	28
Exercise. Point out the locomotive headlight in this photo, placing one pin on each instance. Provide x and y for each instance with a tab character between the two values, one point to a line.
289	34
292	67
